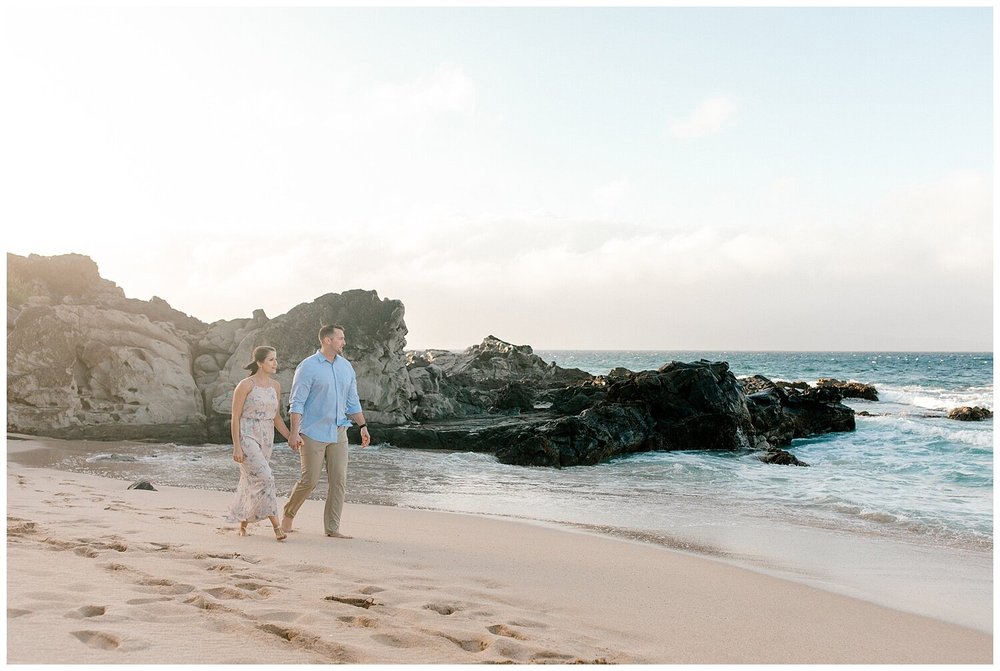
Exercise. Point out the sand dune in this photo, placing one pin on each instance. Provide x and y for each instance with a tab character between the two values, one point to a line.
101	574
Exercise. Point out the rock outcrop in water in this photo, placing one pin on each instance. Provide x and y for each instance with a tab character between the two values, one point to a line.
967	414
84	361
698	405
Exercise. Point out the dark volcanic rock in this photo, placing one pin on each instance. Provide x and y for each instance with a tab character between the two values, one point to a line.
575	399
591	437
818	411
850	389
780	457
697	405
782	412
514	396
694	406
682	406
142	484
967	414
770	422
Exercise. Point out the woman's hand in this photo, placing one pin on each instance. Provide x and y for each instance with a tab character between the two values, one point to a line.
238	454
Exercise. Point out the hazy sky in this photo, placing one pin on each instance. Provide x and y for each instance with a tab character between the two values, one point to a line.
607	178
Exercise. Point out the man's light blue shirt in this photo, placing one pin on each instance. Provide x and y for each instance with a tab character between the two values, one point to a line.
324	393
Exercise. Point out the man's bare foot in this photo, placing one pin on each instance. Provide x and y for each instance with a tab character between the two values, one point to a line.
338	535
286	524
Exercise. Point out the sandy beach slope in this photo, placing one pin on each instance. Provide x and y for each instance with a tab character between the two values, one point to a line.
97	573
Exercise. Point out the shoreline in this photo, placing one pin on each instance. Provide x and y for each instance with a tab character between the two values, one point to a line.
134	568
898	575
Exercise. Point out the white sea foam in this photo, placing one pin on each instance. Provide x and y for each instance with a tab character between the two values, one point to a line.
931	398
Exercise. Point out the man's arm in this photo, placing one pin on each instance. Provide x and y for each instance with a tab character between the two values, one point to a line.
294	439
354	411
359	419
301	384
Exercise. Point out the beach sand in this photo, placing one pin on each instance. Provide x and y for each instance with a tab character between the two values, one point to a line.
97	573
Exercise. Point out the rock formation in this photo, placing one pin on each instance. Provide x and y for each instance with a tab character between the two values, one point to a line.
447	385
84	361
849	389
698	405
967	414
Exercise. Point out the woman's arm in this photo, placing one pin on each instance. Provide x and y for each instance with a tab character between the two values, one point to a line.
239	398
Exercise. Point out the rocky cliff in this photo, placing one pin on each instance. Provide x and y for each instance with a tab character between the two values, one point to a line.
84	361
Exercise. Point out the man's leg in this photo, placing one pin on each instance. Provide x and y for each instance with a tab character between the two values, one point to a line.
336	472
311	457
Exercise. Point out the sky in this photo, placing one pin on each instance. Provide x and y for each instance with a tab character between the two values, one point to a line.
739	178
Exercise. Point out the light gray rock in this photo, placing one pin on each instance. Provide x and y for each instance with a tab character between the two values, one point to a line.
86	371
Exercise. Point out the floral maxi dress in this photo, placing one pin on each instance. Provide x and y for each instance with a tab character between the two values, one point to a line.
256	496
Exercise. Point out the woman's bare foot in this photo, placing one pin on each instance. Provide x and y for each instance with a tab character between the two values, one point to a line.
338	535
279	533
243	528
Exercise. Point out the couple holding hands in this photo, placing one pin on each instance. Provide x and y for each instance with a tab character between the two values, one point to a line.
324	395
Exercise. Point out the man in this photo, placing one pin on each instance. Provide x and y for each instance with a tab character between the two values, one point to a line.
324	394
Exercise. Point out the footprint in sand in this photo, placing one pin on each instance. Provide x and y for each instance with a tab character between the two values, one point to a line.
473	645
98	639
165	586
17	612
371	589
398	640
220	567
18	527
257	588
359	621
442	608
504	630
87	611
227	593
333	652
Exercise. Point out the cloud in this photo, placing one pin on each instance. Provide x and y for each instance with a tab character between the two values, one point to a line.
709	117
446	90
613	193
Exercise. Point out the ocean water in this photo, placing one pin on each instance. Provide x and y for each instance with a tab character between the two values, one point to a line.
899	512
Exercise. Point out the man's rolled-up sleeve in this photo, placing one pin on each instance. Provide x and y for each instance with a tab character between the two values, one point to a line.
353	402
301	382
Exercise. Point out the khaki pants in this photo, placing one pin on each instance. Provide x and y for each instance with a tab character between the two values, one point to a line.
314	455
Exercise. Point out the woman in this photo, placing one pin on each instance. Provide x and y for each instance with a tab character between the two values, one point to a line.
255	416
